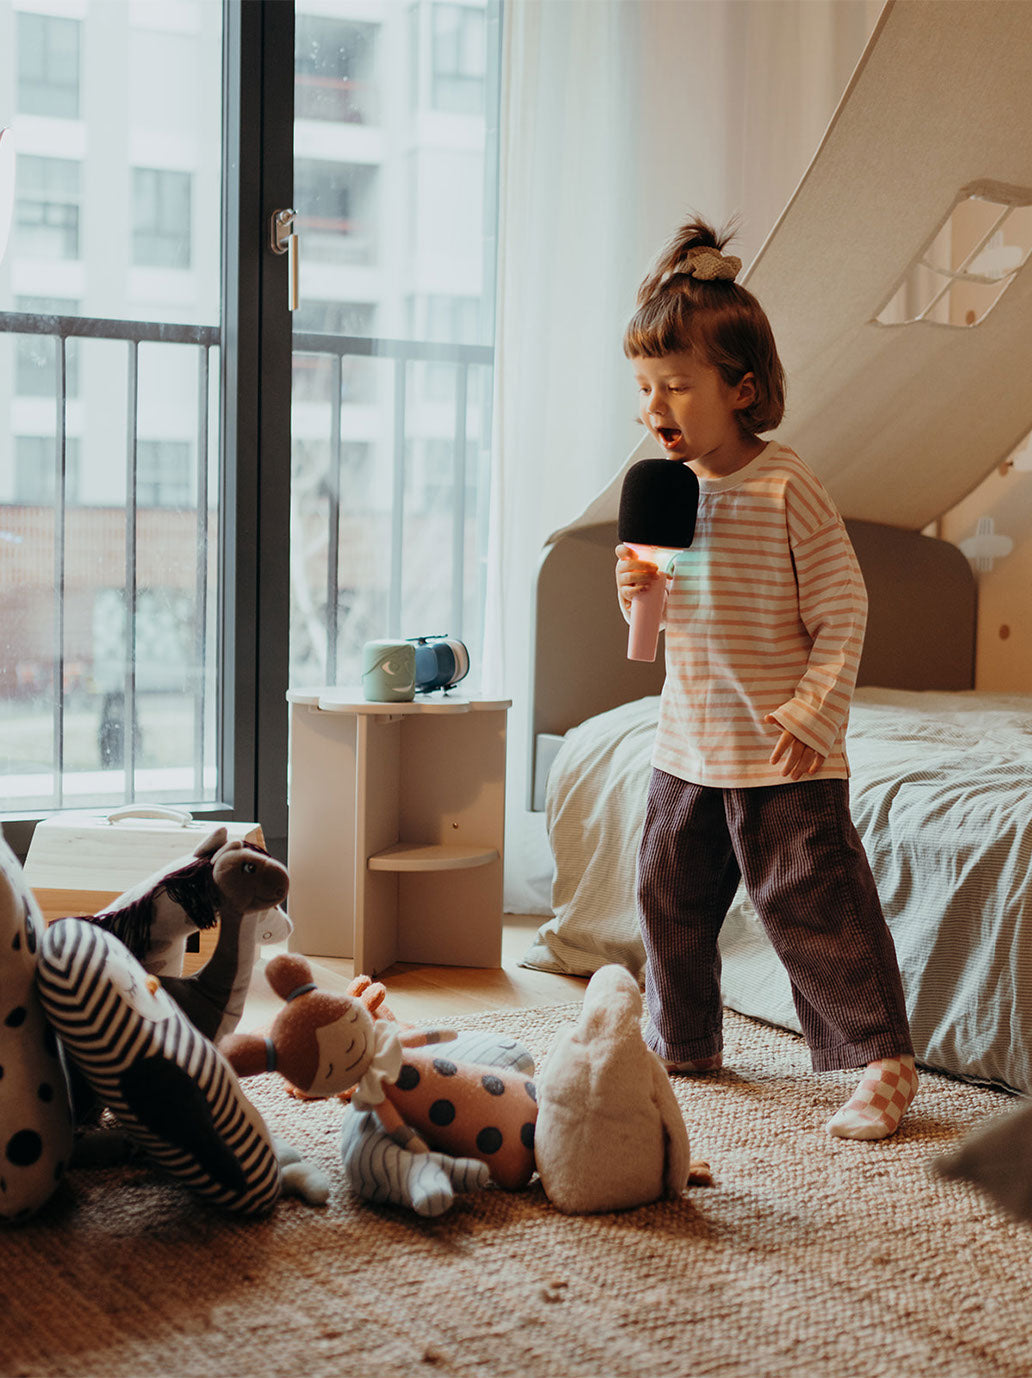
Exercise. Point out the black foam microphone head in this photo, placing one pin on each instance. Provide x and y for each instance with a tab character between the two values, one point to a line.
659	503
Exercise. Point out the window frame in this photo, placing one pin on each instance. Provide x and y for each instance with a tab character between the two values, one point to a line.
153	188
255	359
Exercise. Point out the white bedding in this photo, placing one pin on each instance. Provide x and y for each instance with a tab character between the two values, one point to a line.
941	794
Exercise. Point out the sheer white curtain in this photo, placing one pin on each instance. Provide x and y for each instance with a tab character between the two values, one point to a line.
618	118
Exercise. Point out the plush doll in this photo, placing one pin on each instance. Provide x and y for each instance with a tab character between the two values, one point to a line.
373	995
238	885
156	917
35	1111
381	1170
425	1100
610	1134
173	1094
249	886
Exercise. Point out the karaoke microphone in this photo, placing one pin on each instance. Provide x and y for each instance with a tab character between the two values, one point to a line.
659	503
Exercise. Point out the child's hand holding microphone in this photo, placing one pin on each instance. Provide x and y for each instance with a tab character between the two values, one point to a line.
633	575
659	503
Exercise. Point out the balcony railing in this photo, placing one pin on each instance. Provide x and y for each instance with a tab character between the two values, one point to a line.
95	527
42	537
463	358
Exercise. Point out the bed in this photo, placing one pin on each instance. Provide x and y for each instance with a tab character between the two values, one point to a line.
901	418
940	792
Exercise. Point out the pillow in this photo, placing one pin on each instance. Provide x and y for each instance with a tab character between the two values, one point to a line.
172	1091
35	1113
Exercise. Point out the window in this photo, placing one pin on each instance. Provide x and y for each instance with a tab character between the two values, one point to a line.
445	320
449	319
188	706
334	70
336	210
433	479
161	218
48	66
46	215
35	369
163	473
143	379
969	262
35	470
389	493
458	55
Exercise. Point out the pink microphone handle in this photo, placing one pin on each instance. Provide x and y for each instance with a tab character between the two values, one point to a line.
646	615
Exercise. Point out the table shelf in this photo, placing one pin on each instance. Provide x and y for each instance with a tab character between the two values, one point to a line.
397	828
416	856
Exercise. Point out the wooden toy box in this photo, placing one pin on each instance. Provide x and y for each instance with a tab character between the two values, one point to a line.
81	860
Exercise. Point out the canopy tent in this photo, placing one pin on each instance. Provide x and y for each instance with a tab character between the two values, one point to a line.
901	421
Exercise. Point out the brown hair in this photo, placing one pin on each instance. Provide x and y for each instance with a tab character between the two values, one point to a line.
717	319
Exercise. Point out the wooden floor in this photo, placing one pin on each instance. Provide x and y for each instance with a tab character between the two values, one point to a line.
418	993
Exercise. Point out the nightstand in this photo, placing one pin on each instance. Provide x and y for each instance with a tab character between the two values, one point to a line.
396	830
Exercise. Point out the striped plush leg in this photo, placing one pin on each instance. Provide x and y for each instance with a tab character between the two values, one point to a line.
877	1105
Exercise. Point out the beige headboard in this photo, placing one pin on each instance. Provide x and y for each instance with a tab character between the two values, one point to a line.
920	626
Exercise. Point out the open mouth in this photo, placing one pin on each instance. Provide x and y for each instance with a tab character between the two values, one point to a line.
669	435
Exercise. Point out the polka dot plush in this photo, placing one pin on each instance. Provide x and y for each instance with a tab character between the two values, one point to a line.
35	1113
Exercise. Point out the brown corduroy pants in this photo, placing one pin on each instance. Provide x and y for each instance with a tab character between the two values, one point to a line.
807	874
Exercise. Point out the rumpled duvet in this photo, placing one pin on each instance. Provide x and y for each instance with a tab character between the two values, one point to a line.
941	794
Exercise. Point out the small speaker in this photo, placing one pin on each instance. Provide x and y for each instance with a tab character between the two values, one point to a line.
441	662
388	671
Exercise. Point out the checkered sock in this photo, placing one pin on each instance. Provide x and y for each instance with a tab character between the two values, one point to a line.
702	1064
876	1106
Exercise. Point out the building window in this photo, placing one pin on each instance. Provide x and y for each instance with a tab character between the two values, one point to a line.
48	66
35	470
35	371
338	219
47	192
334	70
458	55
163	474
161	218
442	320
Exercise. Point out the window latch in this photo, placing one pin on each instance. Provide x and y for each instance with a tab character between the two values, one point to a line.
283	239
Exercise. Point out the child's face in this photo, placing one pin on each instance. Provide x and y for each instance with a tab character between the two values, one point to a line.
690	410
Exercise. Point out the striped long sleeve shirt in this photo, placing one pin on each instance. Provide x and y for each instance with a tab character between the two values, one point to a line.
765	615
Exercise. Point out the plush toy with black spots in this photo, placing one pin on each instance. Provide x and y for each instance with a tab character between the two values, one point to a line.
35	1113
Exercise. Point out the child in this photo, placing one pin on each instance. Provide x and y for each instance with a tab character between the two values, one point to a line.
765	617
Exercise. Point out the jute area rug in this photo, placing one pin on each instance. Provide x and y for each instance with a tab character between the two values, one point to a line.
808	1256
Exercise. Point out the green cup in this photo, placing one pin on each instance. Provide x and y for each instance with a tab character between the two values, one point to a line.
389	671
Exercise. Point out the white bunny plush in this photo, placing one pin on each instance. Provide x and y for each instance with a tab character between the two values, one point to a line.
610	1134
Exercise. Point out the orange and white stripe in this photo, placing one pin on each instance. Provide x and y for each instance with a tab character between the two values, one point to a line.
765	614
